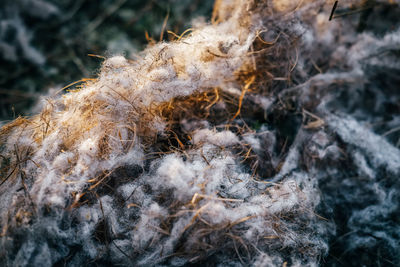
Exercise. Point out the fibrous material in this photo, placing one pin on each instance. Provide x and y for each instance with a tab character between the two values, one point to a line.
248	141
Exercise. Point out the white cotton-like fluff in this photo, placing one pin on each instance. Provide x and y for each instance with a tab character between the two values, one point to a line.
252	141
224	138
116	62
88	148
62	161
176	174
123	86
110	175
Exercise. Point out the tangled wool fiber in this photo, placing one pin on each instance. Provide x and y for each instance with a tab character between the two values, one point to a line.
246	141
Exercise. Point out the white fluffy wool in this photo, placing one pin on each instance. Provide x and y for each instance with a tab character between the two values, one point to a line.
86	182
122	91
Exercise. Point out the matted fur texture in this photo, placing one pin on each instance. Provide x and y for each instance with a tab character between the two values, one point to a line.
268	137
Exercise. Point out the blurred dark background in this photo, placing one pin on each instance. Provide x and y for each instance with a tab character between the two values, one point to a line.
45	43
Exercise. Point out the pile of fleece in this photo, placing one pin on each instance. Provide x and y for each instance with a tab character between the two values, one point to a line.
268	137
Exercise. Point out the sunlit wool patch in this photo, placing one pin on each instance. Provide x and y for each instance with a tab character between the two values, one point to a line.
242	143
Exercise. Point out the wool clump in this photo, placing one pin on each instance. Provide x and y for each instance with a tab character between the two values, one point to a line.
246	142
